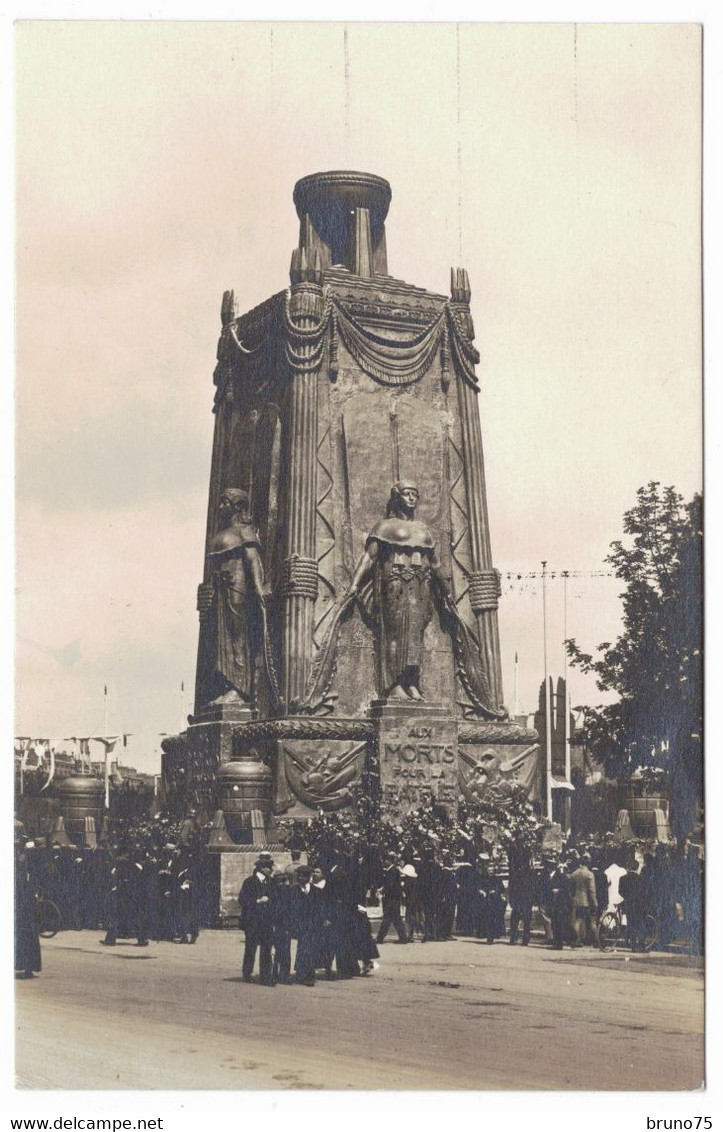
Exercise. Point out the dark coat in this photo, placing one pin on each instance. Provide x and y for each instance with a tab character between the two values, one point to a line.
562	890
522	885
282	907
341	889
392	888
632	891
306	912
256	914
342	897
27	941
430	882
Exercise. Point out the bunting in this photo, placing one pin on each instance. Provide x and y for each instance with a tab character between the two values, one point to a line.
51	774
108	742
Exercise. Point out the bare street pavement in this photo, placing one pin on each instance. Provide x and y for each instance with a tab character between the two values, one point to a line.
455	1015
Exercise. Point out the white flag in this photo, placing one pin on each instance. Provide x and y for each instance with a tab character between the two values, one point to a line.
51	775
108	741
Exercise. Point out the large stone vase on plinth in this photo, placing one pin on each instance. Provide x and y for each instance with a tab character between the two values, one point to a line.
242	827
80	799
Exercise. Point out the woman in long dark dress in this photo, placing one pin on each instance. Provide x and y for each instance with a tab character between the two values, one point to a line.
27	940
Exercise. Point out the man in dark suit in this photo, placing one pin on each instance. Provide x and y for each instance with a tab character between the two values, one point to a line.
283	924
256	922
187	894
306	907
487	893
633	893
521	893
342	904
429	887
447	906
392	892
323	939
27	941
127	906
561	904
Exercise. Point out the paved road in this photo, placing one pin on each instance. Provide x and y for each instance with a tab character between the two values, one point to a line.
462	1015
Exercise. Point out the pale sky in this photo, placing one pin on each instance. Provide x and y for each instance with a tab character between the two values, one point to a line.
155	167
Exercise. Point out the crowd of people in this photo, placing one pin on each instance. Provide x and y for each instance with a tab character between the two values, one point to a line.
150	883
325	906
147	883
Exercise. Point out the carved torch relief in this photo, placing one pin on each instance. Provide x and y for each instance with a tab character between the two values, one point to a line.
323	776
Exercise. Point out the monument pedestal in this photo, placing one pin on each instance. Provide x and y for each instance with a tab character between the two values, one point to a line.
417	744
209	744
228	867
326	395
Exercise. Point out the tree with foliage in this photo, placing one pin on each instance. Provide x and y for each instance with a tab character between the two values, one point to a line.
655	666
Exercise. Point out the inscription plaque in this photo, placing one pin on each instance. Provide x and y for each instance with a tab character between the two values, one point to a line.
417	746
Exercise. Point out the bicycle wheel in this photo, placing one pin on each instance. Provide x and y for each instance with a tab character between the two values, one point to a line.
650	932
608	931
49	918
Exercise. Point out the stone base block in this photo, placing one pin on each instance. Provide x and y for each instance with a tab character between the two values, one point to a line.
208	743
417	743
228	868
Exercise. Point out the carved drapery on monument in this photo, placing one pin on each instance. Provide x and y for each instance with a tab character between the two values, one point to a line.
362	625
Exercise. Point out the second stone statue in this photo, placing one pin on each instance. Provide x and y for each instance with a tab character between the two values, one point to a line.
237	596
402	560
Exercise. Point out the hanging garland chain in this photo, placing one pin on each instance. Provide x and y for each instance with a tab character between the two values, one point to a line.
391	361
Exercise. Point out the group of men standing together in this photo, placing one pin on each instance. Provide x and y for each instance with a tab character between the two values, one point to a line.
430	897
667	886
130	888
325	910
321	908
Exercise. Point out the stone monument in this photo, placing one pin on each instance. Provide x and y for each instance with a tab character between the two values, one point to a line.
348	608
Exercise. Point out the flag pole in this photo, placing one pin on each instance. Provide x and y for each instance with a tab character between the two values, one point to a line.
565	575
548	713
566	703
106	776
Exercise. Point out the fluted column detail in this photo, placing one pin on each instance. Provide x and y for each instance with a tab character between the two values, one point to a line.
306	310
222	408
484	580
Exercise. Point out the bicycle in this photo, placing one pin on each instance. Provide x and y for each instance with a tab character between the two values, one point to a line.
48	917
614	930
